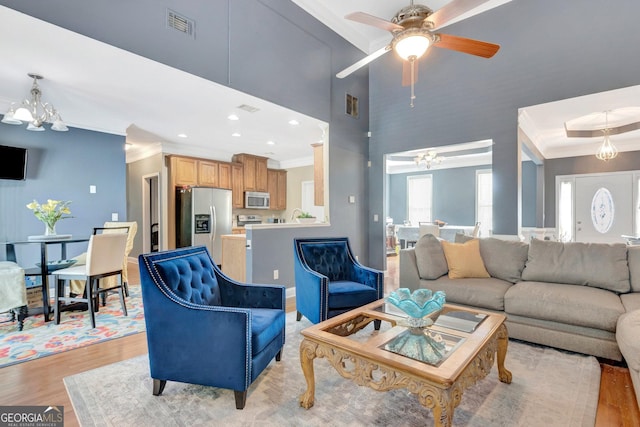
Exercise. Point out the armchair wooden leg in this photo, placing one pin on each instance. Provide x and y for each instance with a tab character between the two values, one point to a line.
158	386
376	324
241	398
22	314
279	356
298	316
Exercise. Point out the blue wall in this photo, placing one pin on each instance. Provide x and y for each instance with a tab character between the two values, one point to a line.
270	49
529	194
547	53
454	195
62	166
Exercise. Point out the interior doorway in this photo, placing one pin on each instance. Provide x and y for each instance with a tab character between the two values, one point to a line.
151	213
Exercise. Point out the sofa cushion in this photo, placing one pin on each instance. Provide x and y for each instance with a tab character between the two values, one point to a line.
598	265
631	301
191	278
346	294
464	259
266	324
504	259
481	293
430	257
564	303
633	259
627	338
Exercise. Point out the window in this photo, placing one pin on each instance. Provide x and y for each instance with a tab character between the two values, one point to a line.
419	198
484	201
565	209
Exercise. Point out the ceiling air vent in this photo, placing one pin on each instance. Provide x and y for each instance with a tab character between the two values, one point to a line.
181	23
248	108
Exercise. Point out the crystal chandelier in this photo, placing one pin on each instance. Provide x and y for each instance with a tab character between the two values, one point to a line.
34	111
425	160
607	150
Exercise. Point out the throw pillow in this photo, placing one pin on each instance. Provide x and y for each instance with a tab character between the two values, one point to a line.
464	260
430	258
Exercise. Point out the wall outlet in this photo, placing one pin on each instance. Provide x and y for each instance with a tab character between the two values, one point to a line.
375	217
114	216
276	274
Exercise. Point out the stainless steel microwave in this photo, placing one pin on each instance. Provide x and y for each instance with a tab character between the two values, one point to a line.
256	200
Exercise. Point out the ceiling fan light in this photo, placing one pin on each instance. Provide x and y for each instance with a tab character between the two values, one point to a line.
412	45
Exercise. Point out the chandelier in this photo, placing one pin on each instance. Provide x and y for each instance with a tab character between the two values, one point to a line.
425	160
34	111
607	150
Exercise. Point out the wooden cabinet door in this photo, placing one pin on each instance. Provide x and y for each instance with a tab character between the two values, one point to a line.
237	185
224	176
282	190
272	186
208	173
249	167
184	170
261	174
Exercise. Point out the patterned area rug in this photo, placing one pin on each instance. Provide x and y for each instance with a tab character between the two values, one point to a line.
549	388
39	338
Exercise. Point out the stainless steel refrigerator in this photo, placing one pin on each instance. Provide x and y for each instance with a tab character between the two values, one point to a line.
202	216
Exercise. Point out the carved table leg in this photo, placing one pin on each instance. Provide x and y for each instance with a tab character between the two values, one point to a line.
503	342
307	354
442	406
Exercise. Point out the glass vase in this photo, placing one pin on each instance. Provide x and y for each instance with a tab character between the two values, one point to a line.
49	229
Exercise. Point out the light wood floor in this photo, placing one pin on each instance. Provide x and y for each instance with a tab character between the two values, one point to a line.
39	382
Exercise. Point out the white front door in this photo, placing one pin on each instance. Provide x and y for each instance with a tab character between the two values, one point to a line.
604	208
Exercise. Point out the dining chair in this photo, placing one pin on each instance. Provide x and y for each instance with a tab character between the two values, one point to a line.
129	227
104	259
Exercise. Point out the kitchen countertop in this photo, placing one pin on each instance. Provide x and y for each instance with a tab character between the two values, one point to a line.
285	225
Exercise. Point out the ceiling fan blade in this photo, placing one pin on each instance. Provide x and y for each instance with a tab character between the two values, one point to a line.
364	61
465	45
452	10
365	18
406	73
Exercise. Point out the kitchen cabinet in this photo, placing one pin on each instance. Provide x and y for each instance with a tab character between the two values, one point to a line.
318	174
224	176
255	171
237	185
277	186
208	173
234	256
184	171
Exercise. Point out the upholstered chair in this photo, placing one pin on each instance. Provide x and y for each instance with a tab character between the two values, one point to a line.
205	328
329	279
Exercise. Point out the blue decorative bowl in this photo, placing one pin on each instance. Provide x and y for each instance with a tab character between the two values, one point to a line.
58	265
420	303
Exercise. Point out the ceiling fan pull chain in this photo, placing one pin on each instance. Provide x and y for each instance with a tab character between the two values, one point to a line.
413	95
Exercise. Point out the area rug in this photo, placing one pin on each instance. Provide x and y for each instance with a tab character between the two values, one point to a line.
39	338
549	388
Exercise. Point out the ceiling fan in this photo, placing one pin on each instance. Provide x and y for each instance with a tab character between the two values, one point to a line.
413	33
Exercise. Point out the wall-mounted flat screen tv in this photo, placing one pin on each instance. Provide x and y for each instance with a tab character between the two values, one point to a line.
13	162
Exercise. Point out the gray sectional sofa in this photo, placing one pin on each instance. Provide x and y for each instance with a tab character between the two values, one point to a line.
573	296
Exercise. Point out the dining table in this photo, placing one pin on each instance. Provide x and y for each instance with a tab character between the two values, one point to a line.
44	269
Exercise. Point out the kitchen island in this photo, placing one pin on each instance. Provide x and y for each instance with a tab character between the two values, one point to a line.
234	256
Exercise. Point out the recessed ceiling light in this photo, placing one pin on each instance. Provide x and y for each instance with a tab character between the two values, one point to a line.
271	143
182	135
236	134
294	122
233	117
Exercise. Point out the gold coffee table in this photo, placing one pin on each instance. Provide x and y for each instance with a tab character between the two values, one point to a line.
378	361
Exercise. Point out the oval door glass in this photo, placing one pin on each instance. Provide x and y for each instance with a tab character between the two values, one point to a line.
602	210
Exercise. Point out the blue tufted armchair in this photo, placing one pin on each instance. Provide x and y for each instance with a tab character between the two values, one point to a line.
330	281
204	328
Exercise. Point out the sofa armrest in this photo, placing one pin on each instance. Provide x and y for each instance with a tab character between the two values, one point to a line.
250	295
409	276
